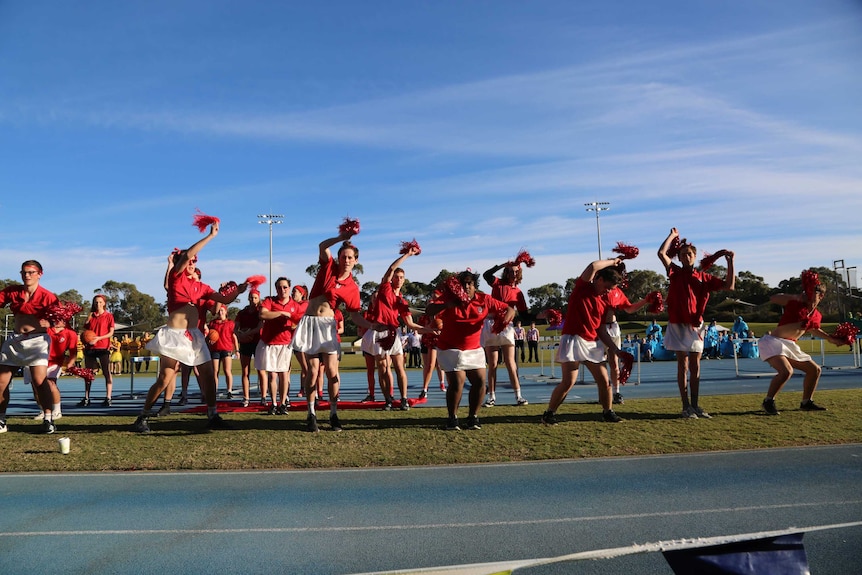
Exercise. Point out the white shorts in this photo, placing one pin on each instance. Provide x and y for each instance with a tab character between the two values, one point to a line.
315	334
275	358
771	346
490	339
53	373
187	346
682	337
615	333
25	349
459	360
576	348
371	346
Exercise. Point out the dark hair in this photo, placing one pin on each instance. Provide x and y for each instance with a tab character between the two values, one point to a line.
282	278
347	245
32	263
468	275
512	274
610	275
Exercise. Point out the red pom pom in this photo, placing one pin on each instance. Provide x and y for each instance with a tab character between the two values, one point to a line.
202	221
627	360
626	252
555	317
500	324
228	289
454	290
810	281
349	226
656	302
255	281
525	258
412	245
675	246
84	373
709	259
846	332
61	310
388	340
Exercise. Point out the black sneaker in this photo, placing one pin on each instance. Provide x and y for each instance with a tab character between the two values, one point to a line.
335	423
810	406
473	422
48	427
548	418
618	399
452	424
769	407
84	403
368	398
105	403
611	417
387	406
230	395
272	410
405	405
142	425
216	422
423	394
311	423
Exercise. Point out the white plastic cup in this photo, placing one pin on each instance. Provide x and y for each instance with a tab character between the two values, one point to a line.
64	445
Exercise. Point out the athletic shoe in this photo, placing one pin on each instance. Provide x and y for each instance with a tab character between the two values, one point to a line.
48	427
490	403
216	422
55	415
442	387
335	423
810	406
423	394
387	406
611	417
230	395
522	401
769	407
183	400
3	428
368	398
281	410
39	417
473	423
142	425
84	403
405	405
164	411
688	413
548	418
245	402
106	402
311	423
286	403
452	424
618	398
701	413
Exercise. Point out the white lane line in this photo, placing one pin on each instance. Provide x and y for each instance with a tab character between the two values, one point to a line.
512	523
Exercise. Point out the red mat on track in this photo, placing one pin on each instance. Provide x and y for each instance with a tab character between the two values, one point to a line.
300	405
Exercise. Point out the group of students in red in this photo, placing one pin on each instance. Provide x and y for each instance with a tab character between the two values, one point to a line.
462	322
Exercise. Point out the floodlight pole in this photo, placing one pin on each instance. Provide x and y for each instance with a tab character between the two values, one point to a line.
598	207
270	219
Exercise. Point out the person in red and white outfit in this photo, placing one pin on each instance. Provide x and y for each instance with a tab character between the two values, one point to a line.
97	351
223	348
29	346
280	314
62	356
459	348
247	326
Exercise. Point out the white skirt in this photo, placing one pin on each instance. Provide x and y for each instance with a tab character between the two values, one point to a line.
25	350
371	346
682	337
490	339
576	348
274	358
315	334
770	346
459	360
187	346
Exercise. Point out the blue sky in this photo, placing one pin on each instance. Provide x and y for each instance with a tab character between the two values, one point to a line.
479	128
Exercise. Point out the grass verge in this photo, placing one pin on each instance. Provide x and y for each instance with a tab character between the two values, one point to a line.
375	438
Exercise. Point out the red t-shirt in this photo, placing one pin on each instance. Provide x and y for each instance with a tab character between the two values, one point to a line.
462	325
61	342
688	294
182	290
14	297
224	328
509	294
279	331
617	299
248	318
326	283
585	312
796	311
388	306
102	325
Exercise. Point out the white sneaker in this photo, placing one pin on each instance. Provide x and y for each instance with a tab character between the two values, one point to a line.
688	413
56	415
39	417
3	427
701	413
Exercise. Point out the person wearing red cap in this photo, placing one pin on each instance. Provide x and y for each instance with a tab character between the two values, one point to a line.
97	351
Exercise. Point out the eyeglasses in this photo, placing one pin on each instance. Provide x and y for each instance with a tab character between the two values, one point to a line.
29	272
282	287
